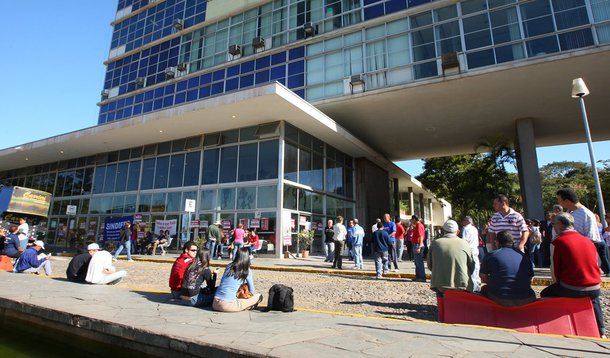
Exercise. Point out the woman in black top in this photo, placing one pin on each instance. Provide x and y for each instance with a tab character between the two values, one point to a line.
193	291
329	242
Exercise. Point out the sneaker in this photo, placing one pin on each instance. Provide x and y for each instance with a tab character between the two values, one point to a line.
219	258
115	281
378	277
130	260
396	270
114	259
356	267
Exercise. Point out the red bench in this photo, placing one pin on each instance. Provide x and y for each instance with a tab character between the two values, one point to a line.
6	263
564	316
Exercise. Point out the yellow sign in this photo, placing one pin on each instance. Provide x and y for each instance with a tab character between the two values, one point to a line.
29	201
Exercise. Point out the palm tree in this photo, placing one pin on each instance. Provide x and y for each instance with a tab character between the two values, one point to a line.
499	150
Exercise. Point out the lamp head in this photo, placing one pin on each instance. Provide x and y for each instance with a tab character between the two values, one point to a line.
579	88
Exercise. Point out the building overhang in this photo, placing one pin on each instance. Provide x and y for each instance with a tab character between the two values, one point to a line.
245	108
448	115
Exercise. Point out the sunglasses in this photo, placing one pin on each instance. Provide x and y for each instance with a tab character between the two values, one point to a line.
191	250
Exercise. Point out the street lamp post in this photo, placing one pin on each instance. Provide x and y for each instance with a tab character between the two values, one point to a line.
580	90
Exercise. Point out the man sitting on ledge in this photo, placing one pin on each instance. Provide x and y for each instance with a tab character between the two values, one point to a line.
32	262
575	267
450	260
101	271
508	273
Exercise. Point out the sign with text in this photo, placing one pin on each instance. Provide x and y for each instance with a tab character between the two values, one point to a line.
25	201
71	210
287	227
255	223
195	224
165	225
113	226
189	205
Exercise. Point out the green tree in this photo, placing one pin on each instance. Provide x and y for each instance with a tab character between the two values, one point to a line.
576	175
467	183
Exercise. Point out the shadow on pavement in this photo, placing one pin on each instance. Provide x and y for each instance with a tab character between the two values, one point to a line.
417	311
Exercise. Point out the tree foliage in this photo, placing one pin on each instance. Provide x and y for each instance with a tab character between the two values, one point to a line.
469	183
578	176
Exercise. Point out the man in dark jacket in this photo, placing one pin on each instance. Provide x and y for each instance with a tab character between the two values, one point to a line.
77	268
381	244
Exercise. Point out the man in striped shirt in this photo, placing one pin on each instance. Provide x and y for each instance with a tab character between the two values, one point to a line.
584	223
507	219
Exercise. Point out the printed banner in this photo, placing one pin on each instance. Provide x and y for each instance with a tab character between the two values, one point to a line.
113	226
165	225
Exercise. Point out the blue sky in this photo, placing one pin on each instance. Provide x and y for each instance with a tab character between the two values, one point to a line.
52	62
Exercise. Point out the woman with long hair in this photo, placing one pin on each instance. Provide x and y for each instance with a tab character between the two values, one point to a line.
195	275
236	273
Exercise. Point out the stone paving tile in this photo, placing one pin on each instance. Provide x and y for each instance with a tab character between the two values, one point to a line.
313	349
411	346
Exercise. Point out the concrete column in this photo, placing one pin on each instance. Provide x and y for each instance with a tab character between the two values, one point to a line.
422	208
396	198
411	201
527	166
431	209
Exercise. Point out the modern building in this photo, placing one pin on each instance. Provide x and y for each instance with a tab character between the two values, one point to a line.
281	114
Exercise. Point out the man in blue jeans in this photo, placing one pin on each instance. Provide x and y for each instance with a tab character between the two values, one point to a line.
125	243
381	244
419	233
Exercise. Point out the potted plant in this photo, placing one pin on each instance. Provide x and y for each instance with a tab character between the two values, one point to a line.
304	239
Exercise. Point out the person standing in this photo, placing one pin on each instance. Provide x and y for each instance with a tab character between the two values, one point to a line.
575	265
125	242
23	232
390	227
408	242
358	242
419	233
349	241
238	237
585	224
400	239
329	241
340	234
507	219
546	230
213	235
471	235
29	261
380	244
450	261
78	266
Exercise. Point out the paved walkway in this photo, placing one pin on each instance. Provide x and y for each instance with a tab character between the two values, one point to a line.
147	321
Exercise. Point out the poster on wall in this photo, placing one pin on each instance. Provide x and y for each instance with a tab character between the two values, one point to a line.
287	227
113	226
244	222
165	225
255	223
264	224
203	224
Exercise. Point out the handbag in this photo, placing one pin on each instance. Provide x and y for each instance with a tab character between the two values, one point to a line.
244	291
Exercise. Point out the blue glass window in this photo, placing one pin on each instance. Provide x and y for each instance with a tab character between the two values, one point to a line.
263	62
296	53
576	39
246	81
191	95
278	72
233	71
180	97
247	67
480	59
204	92
217	88
209	170
262	77
232	84
542	46
278	58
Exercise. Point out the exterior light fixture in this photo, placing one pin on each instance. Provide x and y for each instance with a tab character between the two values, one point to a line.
580	90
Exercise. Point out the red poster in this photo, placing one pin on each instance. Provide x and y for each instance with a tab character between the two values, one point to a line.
265	224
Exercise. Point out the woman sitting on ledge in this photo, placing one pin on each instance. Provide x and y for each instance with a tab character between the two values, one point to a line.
236	273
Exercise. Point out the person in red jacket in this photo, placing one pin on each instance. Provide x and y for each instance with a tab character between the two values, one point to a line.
575	267
189	251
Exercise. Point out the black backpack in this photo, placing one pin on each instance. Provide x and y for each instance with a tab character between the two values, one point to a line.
281	298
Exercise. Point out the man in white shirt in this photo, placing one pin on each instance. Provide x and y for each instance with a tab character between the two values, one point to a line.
585	224
340	234
471	235
23	229
101	271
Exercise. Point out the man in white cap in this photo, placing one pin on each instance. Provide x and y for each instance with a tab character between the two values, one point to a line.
31	262
78	266
101	271
450	260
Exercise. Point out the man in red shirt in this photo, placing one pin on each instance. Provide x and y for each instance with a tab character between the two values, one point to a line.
189	251
419	233
400	238
575	267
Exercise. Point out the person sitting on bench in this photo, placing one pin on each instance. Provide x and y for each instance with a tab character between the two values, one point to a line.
508	273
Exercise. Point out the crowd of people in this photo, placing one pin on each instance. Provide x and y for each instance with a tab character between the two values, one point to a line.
569	241
498	262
